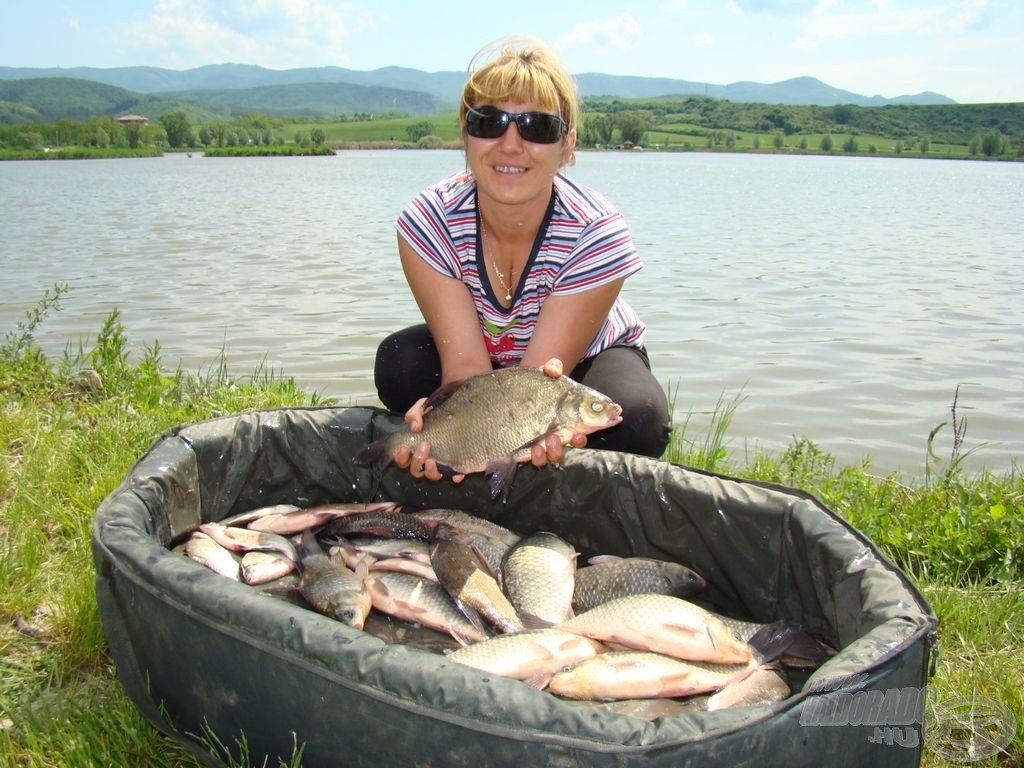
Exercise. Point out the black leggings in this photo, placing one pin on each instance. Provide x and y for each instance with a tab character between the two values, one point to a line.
408	367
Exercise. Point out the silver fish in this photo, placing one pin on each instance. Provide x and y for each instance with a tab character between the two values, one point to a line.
608	577
420	601
532	656
244	518
762	686
538	577
488	422
334	590
467	578
463	521
292	521
662	624
404	565
379	548
246	540
642	674
262	567
218	559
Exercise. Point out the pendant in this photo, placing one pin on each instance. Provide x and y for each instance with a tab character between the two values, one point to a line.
508	296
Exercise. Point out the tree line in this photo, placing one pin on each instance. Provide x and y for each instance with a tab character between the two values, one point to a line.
173	130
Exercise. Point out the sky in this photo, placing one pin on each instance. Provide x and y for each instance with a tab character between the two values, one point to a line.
968	50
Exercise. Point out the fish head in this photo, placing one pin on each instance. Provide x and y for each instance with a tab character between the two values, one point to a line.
354	610
585	410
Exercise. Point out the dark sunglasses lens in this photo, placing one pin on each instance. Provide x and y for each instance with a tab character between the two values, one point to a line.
539	127
486	123
490	123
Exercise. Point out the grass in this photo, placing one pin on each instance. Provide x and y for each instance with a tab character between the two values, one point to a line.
70	429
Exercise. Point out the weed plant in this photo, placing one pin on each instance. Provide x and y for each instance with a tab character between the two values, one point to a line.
70	430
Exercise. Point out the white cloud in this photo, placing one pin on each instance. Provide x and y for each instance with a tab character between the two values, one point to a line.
704	40
878	18
621	33
273	33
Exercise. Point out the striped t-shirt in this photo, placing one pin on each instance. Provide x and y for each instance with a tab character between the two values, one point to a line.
583	242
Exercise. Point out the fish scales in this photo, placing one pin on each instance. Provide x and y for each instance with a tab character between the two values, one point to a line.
663	624
532	656
334	590
421	601
538	577
609	577
642	674
467	579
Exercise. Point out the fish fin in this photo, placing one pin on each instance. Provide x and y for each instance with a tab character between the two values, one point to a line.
783	639
500	475
374	454
441	394
532	621
539	681
598	559
471	613
308	544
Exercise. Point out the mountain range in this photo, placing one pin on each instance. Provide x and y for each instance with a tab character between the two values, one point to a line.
306	90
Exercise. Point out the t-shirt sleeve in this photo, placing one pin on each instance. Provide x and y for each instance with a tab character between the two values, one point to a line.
604	252
424	226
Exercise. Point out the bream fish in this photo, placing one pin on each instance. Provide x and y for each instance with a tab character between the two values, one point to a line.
468	579
532	656
538	577
662	624
608	577
642	674
421	601
488	422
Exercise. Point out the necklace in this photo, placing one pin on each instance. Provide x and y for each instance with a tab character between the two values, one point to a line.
501	277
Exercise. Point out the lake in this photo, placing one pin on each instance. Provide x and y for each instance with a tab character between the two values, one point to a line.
842	299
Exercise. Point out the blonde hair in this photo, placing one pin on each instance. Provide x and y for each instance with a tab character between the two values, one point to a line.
521	69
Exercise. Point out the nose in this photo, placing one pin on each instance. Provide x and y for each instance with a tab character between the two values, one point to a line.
511	137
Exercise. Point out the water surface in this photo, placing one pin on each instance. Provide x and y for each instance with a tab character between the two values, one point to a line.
844	299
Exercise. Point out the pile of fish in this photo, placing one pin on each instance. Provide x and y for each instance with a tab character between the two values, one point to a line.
613	630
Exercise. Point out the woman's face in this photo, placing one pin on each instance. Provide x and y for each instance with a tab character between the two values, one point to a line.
513	171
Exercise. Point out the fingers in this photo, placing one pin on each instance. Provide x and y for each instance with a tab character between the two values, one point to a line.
414	416
553	368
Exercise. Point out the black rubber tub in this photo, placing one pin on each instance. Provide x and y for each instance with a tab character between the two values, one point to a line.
200	654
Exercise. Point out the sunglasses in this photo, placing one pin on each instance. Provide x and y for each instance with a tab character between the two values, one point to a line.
538	127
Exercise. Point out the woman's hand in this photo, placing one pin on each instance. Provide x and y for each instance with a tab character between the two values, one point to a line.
417	458
551	449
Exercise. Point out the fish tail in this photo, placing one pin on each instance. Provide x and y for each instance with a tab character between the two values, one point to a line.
500	475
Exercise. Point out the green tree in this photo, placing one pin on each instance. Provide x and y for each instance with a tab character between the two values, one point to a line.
994	143
850	145
596	129
633	124
133	135
178	128
417	131
778	140
318	136
826	143
925	145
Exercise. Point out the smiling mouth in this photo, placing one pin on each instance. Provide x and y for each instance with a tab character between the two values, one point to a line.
509	169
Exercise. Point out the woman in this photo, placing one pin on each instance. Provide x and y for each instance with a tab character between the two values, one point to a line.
511	263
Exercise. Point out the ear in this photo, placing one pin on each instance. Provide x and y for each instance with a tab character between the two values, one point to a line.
569	149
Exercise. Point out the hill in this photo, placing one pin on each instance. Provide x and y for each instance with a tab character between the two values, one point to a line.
446	86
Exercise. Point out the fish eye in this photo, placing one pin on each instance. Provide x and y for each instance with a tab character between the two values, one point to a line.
347	615
597	407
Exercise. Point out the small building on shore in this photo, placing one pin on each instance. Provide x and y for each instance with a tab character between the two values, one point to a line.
133	120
